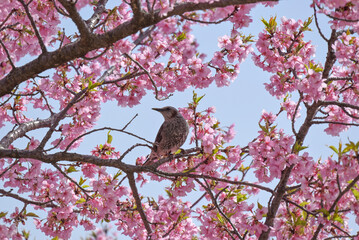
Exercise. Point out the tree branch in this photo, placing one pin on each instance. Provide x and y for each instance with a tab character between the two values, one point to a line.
77	19
332	208
7	54
149	76
26	201
106	128
56	118
136	196
331	58
70	157
214	201
33	24
273	205
80	48
96	16
136	8
21	130
73	181
196	176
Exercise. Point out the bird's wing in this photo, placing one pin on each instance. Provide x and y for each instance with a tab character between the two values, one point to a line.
158	138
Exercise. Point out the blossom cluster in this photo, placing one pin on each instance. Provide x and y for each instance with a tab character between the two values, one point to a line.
321	199
343	13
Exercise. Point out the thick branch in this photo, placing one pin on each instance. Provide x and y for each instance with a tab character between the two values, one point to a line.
281	187
70	157
81	48
22	130
136	8
77	19
95	18
331	58
340	104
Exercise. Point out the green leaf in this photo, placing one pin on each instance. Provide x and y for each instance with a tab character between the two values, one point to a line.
197	99
241	197
298	147
356	193
324	211
246	39
302	204
112	11
334	149
338	219
109	137
178	151
265	22
220	218
169	193
300	222
304	214
200	98
81	200
31	214
25	234
271	25
55	238
3	214
259	205
306	24
71	169
95	85
82	181
181	37
264	128
119	173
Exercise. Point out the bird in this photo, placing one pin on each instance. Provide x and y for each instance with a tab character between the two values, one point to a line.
171	135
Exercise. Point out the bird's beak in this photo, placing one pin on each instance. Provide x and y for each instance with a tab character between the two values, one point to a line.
157	109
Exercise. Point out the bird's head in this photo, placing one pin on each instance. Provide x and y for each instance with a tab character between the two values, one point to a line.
167	112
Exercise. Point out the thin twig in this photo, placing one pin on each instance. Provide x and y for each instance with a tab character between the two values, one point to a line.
136	196
33	24
27	201
106	128
208	22
317	23
56	118
333	122
97	56
7	54
6	170
149	76
73	181
214	201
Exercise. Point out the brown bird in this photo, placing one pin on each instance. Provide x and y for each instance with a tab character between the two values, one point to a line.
171	135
